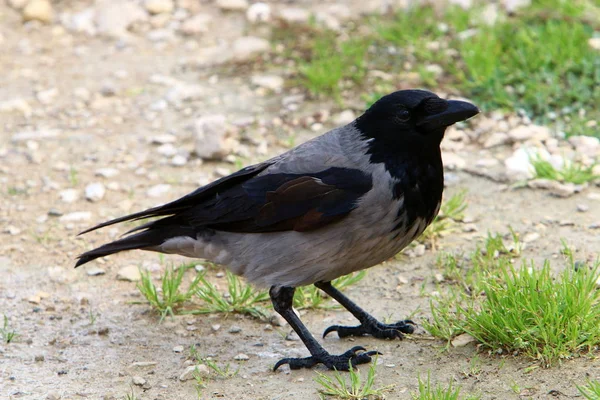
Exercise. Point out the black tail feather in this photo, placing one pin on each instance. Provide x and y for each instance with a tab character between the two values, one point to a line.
142	240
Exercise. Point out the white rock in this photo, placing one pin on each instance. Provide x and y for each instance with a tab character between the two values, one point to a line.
107	172
35	135
69	195
82	21
556	188
77	216
526	132
47	96
12	230
113	17
294	15
588	145
463	340
138	381
241	357
258	12
17	4
513	5
178	349
199	23
496	139
16	105
246	47
344	117
178	160
159	6
211	139
95	271
38	10
594	43
518	165
232	5
130	273
185	92
190	371
530	237
453	161
95	191
271	82
158	190
167	150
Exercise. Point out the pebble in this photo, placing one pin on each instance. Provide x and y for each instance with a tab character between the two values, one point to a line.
95	271
235	329
158	190
113	17
196	25
107	172
463	340
582	208
215	327
556	188
18	4
178	349
35	135
38	10
530	237
232	5
258	12
211	139
453	161
246	47
141	364
178	160
518	165
16	105
94	191
190	371
587	145
496	139
39	358
159	6
76	216
47	96
130	273
12	230
294	15
526	132
271	82
138	381
241	357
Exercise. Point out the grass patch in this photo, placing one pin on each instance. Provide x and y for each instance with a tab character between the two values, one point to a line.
519	309
310	297
240	298
438	392
167	300
591	390
355	389
571	172
7	334
451	212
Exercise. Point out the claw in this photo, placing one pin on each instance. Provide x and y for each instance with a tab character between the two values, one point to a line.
374	328
343	362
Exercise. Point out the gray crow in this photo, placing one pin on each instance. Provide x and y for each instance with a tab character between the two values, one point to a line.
339	203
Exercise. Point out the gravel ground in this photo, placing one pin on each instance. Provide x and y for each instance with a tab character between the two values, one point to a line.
109	109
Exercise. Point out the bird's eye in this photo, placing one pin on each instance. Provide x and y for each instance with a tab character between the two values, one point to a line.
403	115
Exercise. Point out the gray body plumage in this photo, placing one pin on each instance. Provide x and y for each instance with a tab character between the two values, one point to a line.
361	240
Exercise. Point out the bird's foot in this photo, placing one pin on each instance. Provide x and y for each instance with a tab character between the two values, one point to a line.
343	362
374	328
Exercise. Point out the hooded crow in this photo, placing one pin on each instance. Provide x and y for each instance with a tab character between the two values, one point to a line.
339	203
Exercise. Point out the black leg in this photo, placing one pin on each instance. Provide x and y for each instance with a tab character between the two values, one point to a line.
282	298
368	324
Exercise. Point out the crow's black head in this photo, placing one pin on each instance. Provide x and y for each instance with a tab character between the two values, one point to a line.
412	116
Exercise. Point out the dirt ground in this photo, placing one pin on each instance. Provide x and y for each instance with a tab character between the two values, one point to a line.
59	354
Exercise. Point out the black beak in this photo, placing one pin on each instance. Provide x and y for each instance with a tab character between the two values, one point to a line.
457	111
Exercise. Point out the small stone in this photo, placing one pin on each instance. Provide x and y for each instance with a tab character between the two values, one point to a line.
130	273
530	237
192	370
469	228
419	250
12	230
258	12
439	278
47	96
556	188
36	299
142	364
246	47
16	105
215	327
232	5
94	192
39	358
197	24
294	15
453	161
582	208
241	357
235	329
159	6
18	4
518	165
38	10
496	139
107	172
77	216
138	381
113	17
178	349
526	132
163	139
463	340
158	190
69	195
212	140
178	160
271	82
95	271
344	117
587	145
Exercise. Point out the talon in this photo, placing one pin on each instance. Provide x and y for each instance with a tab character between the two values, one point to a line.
332	328
280	363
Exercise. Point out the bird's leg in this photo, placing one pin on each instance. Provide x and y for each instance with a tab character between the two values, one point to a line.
368	324
282	298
